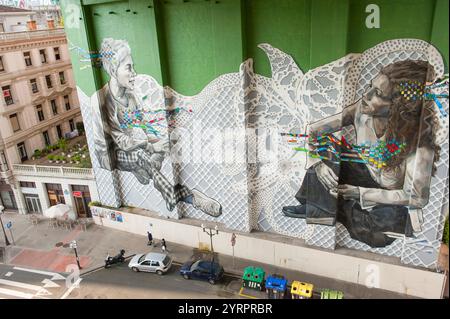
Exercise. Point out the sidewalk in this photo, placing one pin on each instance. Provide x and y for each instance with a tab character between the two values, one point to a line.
35	247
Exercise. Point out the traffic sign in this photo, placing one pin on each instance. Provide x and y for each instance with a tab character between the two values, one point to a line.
9	225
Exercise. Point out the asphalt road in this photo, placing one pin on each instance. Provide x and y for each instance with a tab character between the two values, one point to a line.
120	282
26	283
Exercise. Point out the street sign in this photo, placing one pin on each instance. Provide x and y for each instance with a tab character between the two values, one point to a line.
233	239
9	225
77	194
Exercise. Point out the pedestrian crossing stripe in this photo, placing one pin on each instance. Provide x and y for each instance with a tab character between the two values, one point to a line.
15	293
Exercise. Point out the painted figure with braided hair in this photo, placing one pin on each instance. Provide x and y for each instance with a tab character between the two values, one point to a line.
380	202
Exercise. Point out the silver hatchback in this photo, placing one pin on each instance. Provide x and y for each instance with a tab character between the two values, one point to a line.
151	262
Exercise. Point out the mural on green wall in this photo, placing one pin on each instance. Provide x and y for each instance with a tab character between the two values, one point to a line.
369	162
126	141
369	186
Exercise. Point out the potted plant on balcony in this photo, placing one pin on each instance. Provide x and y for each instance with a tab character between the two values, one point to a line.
51	158
77	159
36	154
62	144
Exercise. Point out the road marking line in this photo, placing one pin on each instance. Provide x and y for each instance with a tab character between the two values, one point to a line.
74	285
20	285
49	284
244	295
55	276
9	274
15	293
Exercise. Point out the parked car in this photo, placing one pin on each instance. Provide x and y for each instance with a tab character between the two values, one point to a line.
151	262
202	270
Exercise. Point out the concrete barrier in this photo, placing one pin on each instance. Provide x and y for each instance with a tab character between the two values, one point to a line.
382	275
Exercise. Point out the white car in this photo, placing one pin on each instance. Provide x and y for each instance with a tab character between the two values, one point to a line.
151	262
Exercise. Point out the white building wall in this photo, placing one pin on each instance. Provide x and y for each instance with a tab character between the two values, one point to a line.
36	142
12	154
35	58
65	183
14	61
396	278
29	190
11	22
6	126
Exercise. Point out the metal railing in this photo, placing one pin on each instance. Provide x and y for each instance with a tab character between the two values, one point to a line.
53	171
20	35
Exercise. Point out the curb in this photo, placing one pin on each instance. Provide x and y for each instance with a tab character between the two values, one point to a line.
101	267
233	273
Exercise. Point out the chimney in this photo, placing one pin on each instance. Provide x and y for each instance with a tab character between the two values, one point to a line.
51	24
31	25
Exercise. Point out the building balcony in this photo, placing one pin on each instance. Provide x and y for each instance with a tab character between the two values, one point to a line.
31	35
52	171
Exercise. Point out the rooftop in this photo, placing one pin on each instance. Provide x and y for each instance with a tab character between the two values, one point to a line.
73	152
13	9
31	34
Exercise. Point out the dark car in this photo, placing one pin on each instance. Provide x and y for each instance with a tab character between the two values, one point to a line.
203	270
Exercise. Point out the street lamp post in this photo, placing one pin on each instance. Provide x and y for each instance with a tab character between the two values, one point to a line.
73	244
7	243
211	233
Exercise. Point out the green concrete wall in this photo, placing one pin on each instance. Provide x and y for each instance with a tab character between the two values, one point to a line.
187	43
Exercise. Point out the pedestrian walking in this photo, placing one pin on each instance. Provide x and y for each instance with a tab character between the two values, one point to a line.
163	245
150	238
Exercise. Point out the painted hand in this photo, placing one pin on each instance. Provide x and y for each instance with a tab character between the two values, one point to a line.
327	177
348	191
156	160
161	146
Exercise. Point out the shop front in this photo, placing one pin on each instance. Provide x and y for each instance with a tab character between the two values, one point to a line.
33	203
31	197
82	197
55	194
7	198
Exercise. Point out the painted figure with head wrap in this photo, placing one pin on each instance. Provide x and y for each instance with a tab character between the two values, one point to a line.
140	154
377	201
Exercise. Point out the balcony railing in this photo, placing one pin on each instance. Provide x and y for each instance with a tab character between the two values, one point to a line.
53	171
20	35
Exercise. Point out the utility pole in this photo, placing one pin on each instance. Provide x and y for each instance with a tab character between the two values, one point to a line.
211	233
233	242
73	244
